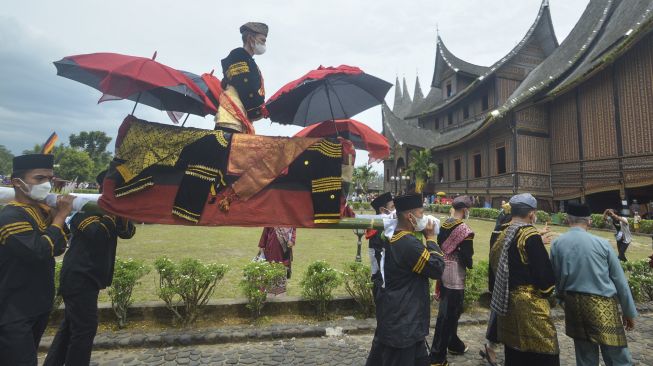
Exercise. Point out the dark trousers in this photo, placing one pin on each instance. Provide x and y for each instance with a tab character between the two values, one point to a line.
518	358
74	340
621	248
19	340
382	355
446	327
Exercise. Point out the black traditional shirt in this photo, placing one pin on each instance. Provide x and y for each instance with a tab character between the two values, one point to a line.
241	72
28	244
89	262
403	307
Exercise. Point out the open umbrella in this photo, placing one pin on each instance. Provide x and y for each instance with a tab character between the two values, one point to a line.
362	136
327	93
140	79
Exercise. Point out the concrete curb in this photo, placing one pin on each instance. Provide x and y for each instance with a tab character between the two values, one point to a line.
251	333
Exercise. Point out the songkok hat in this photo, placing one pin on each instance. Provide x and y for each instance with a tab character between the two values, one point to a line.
461	202
523	200
578	209
260	28
381	200
33	161
408	202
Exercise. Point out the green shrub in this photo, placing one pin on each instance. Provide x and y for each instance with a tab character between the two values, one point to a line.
125	277
58	299
258	278
442	208
543	216
358	283
366	205
318	284
356	205
187	285
646	226
598	221
485	213
640	279
476	282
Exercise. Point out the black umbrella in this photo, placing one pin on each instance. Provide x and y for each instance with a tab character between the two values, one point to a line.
324	94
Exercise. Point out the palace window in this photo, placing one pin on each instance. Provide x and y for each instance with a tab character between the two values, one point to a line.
440	172
466	112
449	89
457	170
477	166
485	102
450	118
501	160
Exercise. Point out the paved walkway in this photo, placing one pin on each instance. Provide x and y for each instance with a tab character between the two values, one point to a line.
335	350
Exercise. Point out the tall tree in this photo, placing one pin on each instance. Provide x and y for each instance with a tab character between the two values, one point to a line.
363	175
420	165
74	164
95	144
6	160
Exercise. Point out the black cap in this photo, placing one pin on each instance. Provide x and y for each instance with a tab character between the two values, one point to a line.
408	202
461	202
578	209
33	161
381	200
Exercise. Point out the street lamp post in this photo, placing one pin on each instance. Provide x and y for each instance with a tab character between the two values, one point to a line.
359	233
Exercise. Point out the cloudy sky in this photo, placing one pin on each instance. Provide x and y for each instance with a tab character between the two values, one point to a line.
385	38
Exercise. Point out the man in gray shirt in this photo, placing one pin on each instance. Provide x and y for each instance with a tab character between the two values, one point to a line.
592	285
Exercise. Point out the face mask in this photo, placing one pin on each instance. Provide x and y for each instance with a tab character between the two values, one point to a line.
258	48
420	224
38	192
389	214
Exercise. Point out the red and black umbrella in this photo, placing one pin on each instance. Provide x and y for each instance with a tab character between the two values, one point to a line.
140	79
363	137
328	93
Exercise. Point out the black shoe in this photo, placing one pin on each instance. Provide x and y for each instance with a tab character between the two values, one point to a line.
457	352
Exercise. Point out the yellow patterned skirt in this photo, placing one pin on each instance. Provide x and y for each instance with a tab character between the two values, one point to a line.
225	117
528	326
594	318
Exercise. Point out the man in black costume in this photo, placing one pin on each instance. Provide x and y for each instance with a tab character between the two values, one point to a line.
403	305
383	205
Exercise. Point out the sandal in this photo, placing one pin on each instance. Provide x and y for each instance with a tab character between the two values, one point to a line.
487	357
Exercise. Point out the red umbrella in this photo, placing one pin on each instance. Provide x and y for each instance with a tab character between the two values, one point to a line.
327	93
136	78
363	137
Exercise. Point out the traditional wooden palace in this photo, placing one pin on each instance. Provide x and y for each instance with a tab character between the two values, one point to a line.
563	121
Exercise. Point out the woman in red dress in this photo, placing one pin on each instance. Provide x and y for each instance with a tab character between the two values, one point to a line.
276	245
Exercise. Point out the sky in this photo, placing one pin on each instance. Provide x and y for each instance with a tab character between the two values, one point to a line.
385	38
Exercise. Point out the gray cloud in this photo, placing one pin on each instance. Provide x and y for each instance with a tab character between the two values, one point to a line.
385	38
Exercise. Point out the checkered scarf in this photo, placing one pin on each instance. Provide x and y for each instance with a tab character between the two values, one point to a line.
501	291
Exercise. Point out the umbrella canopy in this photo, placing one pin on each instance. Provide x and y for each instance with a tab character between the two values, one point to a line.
136	78
362	136
328	93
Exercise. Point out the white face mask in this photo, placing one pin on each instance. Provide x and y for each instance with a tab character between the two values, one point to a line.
420	223
38	192
389	214
258	48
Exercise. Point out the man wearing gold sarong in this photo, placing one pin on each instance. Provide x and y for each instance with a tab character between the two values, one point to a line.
591	284
242	101
524	282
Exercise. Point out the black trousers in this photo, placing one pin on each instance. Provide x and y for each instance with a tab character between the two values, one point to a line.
73	343
518	358
19	340
446	326
621	248
382	355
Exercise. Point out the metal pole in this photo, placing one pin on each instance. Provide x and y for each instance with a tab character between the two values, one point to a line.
137	99
185	119
359	233
326	85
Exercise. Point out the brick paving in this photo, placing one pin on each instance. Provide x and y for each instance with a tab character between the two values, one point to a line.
338	349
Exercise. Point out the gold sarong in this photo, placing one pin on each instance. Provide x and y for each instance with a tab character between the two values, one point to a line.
594	318
528	326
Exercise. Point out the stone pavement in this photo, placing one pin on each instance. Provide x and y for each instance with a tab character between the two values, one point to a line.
340	349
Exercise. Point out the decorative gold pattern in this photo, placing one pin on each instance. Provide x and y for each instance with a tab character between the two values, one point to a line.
421	262
237	69
594	319
13	229
327	148
132	187
528	326
326	184
399	235
35	214
523	235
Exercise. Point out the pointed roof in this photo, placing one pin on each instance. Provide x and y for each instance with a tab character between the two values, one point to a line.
406	100
417	94
541	32
565	57
398	95
444	60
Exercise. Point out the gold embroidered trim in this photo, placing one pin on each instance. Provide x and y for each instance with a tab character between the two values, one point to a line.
524	234
12	229
237	69
51	245
33	213
399	235
421	262
185	214
136	186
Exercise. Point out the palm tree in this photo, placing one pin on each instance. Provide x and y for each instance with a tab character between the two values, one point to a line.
363	175
422	167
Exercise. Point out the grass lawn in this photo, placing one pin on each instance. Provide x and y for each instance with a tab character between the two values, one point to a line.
237	246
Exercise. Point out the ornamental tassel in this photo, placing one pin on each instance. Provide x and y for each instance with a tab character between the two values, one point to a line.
225	203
